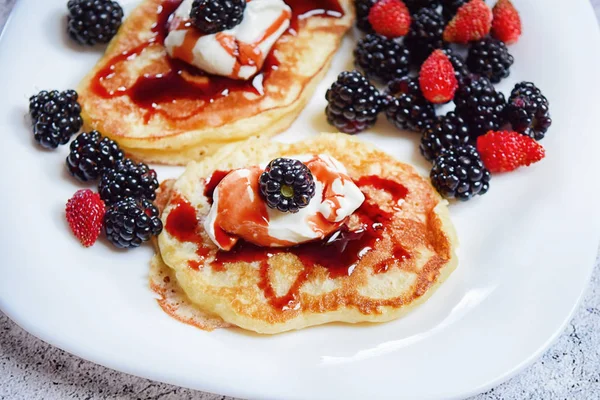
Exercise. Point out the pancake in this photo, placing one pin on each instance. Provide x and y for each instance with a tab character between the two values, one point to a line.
406	253
162	110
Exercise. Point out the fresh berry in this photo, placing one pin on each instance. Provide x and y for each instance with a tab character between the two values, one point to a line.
425	35
407	108
85	214
459	173
506	25
437	78
460	68
450	7
445	132
490	57
528	111
93	21
390	18
128	179
381	58
55	116
353	103
363	7
472	22
507	151
91	154
478	103
287	185
212	16
416	5
130	222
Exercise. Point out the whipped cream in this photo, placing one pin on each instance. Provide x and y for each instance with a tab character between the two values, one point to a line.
238	210
238	53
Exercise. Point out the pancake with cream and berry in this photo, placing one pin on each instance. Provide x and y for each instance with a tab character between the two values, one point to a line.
170	92
273	237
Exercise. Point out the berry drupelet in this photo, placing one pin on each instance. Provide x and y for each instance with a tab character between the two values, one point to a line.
381	58
287	185
93	21
460	68
363	7
478	103
445	132
490	57
212	16
425	35
130	222
353	103
91	155
55	116
128	179
528	111
450	7
416	5
459	173
407	108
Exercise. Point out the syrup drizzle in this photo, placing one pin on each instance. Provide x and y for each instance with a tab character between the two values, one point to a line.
184	82
340	253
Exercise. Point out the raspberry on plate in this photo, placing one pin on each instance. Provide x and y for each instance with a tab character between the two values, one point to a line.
507	151
390	18
506	25
472	22
437	78
85	213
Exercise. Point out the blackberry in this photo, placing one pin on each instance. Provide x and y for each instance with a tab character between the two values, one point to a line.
128	179
353	103
445	132
460	69
363	7
528	111
480	105
490	57
55	116
415	5
130	222
425	35
381	58
459	173
407	108
93	21
212	16
287	185
91	154
450	7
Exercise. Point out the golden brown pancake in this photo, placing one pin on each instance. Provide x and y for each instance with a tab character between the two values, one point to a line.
162	110
407	251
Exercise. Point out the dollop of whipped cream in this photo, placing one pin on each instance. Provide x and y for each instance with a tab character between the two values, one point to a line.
239	211
237	53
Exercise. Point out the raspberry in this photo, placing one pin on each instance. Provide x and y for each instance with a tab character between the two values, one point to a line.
437	78
472	22
507	151
85	213
390	18
506	25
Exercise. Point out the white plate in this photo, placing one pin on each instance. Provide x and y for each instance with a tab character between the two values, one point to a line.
528	246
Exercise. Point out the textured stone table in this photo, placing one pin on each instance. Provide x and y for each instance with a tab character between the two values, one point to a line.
31	369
